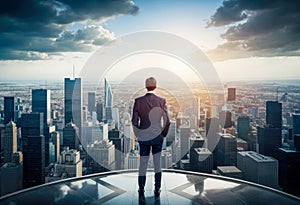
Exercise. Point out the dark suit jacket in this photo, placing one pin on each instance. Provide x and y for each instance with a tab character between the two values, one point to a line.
148	113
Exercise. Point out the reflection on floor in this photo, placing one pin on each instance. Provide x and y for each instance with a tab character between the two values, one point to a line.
177	188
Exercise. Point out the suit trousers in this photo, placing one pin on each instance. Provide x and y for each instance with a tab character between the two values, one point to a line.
156	149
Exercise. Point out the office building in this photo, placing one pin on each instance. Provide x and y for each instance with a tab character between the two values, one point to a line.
296	124
225	119
195	141
229	171
73	102
9	141
184	131
55	139
171	134
32	124
133	160
33	148
41	103
11	175
227	150
203	160
99	110
9	109
231	94
274	114
94	132
116	117
114	136
243	127
166	159
91	101
69	165
103	152
258	168
269	139
71	136
289	166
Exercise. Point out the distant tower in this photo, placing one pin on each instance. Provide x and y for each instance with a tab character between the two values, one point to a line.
9	109
99	110
274	114
91	101
243	127
231	94
108	97
41	103
71	136
9	141
73	102
108	100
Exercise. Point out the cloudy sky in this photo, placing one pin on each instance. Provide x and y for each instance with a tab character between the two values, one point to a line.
244	39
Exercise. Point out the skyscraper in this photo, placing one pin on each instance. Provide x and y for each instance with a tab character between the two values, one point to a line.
55	139
32	124
184	140
269	139
171	134
41	103
108	97
73	102
243	127
9	109
71	136
274	114
34	160
9	141
231	94
108	100
91	101
296	124
227	150
99	110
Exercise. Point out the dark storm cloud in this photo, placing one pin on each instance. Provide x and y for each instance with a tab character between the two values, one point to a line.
34	29
257	28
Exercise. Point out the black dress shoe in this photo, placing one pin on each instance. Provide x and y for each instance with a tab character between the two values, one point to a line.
157	192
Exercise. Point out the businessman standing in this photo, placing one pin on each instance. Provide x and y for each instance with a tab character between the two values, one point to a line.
150	125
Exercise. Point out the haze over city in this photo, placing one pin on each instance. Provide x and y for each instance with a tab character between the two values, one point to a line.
216	81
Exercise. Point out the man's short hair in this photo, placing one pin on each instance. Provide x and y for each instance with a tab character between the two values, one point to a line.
150	83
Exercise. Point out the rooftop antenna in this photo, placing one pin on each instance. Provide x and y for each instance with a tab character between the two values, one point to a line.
277	94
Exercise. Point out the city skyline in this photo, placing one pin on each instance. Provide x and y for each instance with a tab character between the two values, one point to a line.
239	37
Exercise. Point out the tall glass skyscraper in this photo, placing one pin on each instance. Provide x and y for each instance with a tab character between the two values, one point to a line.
9	109
73	102
41	103
108	97
91	102
274	114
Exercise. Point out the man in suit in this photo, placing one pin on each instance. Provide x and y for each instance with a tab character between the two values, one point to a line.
148	112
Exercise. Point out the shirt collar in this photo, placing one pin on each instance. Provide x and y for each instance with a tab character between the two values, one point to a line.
151	92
